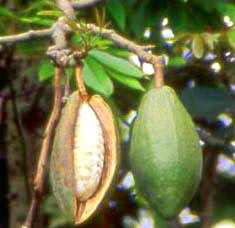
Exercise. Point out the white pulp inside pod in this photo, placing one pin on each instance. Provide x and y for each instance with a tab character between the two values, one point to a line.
88	152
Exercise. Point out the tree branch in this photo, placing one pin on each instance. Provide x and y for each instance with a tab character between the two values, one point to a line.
215	142
141	51
27	36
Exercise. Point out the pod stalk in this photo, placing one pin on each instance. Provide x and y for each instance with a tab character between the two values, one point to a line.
159	75
80	83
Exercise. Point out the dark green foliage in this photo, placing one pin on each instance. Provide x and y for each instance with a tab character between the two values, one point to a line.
205	102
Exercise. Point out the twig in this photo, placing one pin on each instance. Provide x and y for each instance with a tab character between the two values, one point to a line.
27	36
141	51
39	181
215	142
207	189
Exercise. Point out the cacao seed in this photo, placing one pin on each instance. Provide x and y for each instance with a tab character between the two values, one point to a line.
84	156
165	154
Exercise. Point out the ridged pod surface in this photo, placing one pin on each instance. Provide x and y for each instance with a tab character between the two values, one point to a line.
84	156
165	154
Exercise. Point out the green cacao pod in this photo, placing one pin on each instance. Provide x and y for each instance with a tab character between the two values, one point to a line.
84	156
165	153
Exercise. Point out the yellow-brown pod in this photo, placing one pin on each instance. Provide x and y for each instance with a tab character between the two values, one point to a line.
79	193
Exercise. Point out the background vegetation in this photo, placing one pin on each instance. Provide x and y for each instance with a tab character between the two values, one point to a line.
197	39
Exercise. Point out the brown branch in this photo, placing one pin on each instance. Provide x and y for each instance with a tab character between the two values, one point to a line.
39	181
58	32
207	188
215	142
27	36
141	51
66	7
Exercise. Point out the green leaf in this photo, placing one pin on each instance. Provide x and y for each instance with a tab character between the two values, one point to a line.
37	21
46	70
103	43
76	38
120	52
96	78
126	80
207	5
6	12
117	11
231	37
177	61
120	65
197	46
226	9
55	13
137	20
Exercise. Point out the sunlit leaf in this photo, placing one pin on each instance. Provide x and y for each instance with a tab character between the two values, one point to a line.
120	52
231	37
126	80
96	78
100	16
120	65
46	70
197	46
37	20
117	11
177	61
102	43
54	13
6	12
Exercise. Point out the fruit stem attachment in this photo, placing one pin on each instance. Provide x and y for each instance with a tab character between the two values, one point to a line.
159	75
80	83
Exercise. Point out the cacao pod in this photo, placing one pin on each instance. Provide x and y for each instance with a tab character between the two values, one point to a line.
165	153
84	156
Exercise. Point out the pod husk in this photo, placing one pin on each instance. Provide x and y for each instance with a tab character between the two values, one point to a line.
165	154
61	167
